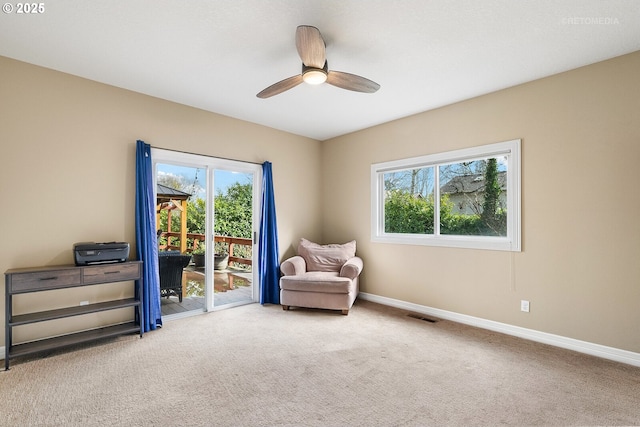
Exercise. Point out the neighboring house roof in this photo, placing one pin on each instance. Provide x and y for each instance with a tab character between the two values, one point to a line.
471	183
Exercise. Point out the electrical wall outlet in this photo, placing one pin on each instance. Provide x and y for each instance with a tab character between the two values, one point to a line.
524	306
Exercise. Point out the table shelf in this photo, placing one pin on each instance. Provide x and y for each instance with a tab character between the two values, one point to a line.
71	339
43	316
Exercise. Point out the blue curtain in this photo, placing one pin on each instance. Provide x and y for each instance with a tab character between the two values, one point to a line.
269	272
146	239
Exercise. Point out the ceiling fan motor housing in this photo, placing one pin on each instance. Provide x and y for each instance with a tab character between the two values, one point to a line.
315	76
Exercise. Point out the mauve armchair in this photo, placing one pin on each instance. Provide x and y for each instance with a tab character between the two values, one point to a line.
321	276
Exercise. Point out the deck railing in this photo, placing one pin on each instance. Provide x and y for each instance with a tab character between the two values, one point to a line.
197	239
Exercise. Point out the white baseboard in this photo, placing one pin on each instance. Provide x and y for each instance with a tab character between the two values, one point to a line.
592	349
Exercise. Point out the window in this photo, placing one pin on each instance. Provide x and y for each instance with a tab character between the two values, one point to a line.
466	198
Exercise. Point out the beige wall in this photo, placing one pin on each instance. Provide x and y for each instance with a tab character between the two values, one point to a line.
580	264
67	149
67	157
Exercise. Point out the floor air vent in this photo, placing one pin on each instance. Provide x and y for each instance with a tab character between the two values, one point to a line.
421	317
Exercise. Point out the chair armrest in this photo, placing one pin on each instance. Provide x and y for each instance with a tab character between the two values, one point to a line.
294	266
352	268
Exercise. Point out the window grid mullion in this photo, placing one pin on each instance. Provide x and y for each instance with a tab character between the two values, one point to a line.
436	200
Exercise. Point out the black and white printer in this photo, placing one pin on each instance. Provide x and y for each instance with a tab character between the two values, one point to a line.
86	253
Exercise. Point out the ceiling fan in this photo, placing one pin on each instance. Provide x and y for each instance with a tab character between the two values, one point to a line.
311	48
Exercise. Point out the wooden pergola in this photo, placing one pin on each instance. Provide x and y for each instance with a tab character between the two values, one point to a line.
170	199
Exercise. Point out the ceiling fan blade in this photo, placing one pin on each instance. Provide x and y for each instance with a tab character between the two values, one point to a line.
280	87
311	46
351	82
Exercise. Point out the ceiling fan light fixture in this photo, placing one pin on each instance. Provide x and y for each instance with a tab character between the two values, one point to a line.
314	76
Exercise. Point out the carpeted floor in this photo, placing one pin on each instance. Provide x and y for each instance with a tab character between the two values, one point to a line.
261	366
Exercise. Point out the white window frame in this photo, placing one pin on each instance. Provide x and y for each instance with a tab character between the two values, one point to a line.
510	242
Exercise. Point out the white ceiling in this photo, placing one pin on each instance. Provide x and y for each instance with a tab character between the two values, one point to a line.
218	54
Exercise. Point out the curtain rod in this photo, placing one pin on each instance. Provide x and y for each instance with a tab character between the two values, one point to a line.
205	155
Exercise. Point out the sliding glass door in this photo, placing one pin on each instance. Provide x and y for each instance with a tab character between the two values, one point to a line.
234	228
208	214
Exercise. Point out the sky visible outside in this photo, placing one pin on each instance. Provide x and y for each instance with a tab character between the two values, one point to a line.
194	180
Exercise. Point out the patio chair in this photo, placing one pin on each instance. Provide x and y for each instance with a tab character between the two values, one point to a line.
321	276
171	264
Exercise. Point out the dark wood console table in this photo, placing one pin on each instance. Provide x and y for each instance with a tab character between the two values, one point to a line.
29	280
